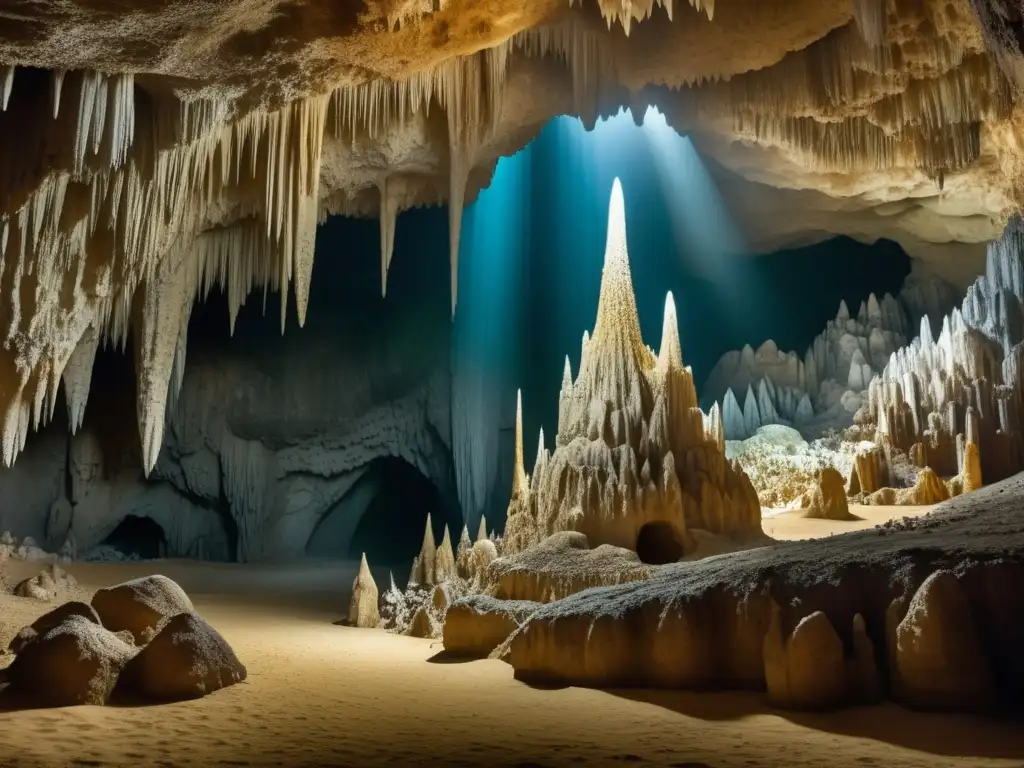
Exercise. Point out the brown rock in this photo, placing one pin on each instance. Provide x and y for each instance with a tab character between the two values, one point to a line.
939	662
75	662
188	659
140	605
49	621
828	499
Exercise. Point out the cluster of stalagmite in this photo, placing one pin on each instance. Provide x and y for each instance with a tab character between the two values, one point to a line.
633	448
954	403
826	387
139	173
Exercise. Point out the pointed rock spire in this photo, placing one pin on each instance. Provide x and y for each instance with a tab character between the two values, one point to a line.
444	560
671	354
481	534
519	470
617	320
567	376
363	610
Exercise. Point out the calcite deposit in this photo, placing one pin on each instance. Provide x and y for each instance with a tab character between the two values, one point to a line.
151	153
633	451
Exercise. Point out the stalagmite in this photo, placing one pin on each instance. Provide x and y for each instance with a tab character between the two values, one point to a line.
630	439
444	560
423	566
481	533
363	609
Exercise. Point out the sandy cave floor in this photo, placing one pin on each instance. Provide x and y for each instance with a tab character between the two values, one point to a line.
321	694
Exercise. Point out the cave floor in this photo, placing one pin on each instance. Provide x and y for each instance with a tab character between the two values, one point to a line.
321	694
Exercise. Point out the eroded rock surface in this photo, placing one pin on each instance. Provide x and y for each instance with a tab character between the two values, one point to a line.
731	621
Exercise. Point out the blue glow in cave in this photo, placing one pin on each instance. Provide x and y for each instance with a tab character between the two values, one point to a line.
533	245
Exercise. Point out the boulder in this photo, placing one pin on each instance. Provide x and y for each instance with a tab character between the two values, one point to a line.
140	606
51	620
188	659
75	662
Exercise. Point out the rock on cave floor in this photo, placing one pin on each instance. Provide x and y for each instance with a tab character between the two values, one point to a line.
323	694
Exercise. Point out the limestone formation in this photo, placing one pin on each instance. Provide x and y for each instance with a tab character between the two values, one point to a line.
826	387
188	659
163	159
928	489
938	396
444	560
806	669
562	565
422	571
75	662
140	606
632	449
791	618
476	625
828	498
938	661
363	610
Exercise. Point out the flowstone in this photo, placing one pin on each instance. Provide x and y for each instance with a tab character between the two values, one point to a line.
633	448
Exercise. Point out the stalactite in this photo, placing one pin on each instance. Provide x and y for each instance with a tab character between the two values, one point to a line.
78	377
388	219
6	85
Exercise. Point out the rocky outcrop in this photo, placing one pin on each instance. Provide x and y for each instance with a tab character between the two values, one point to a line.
562	565
632	448
74	655
476	625
828	498
937	659
812	621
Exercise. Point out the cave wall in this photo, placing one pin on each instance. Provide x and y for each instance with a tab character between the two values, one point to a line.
268	433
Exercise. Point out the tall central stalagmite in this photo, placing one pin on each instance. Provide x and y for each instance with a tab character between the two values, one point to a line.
633	447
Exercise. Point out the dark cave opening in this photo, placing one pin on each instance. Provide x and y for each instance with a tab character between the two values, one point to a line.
658	543
384	514
142	537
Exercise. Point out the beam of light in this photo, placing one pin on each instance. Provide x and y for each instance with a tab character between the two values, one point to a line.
700	218
485	334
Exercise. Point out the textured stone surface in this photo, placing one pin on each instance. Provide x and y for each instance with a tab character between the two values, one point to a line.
114	221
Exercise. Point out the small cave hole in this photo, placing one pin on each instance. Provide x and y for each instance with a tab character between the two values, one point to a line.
658	543
141	537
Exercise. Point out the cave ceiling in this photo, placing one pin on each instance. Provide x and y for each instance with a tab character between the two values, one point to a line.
150	150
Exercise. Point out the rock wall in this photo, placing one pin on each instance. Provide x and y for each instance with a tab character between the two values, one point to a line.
267	434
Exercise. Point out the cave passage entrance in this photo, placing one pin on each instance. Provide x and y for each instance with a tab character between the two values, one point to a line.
384	515
658	543
141	537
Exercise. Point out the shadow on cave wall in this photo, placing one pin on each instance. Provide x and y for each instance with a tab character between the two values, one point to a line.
141	537
384	515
